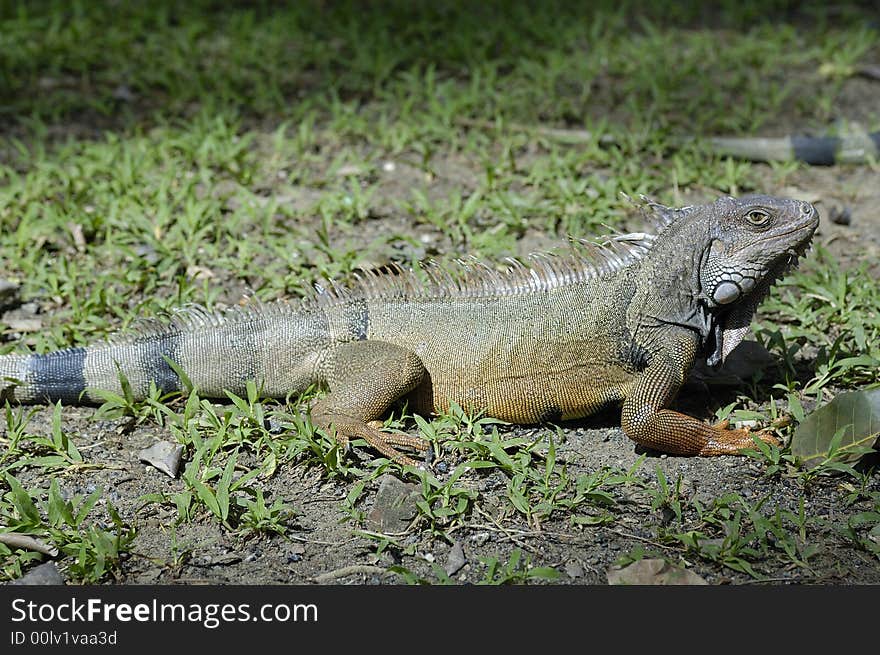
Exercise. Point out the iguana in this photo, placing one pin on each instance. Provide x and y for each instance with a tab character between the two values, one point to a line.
556	338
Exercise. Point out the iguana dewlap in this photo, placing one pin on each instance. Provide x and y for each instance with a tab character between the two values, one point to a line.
559	337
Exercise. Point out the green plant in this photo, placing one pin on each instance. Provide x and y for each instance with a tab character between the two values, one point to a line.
257	516
94	551
443	504
515	570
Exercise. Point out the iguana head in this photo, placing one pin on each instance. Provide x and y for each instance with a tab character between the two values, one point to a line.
752	243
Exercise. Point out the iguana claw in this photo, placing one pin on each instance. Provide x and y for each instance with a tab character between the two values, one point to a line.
733	442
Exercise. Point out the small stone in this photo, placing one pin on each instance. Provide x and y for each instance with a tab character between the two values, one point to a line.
573	569
840	215
395	505
8	292
456	560
44	574
147	252
296	553
349	169
275	426
123	93
199	272
653	572
223	559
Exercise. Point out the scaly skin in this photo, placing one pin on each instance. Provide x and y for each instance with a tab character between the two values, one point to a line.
555	339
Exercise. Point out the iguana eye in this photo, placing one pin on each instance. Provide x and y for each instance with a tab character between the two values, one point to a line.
758	217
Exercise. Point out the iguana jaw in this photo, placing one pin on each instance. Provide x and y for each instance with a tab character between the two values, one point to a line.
730	326
755	245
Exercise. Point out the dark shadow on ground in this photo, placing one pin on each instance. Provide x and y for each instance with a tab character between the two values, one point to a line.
80	70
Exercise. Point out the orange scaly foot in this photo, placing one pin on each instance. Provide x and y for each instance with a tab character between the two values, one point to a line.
731	442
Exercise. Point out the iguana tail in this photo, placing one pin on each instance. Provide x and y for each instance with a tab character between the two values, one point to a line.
277	346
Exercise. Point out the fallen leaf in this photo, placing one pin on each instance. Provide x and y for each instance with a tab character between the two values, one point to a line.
163	455
855	413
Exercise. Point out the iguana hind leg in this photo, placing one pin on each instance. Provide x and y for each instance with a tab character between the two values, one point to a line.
365	378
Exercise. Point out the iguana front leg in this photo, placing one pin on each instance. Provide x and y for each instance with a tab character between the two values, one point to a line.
646	422
365	378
